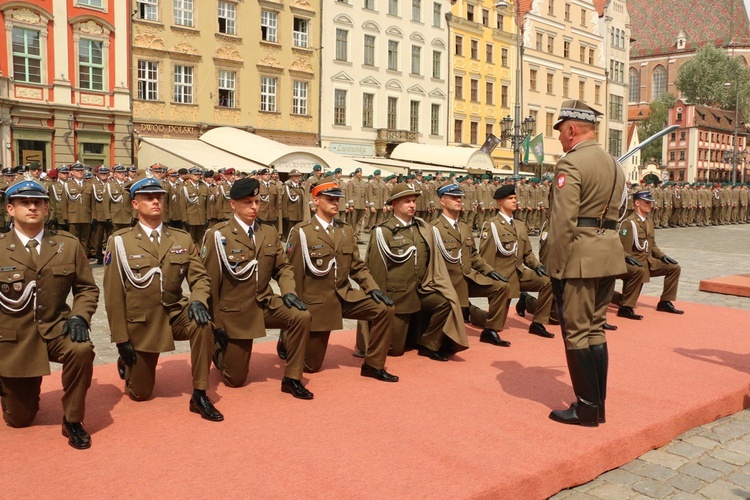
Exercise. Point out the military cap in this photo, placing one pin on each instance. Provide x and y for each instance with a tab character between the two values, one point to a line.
88	175
210	174
400	190
132	168
317	168
450	190
377	172
253	172
295	173
118	168
77	166
34	165
274	171
158	167
63	169
576	110
244	187
644	195
326	187
504	191
222	170
195	171
26	189
103	170
338	171
9	171
182	171
146	185
172	173
230	170
357	170
264	171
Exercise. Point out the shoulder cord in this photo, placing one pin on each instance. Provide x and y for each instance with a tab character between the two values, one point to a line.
307	260
385	251
636	243
142	282
70	196
97	198
58	198
446	254
293	199
111	196
20	304
193	200
224	193
238	273
499	244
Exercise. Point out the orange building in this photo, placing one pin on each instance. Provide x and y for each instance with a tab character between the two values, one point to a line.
64	83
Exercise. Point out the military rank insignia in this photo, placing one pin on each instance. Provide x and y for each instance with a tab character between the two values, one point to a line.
107	258
204	251
289	247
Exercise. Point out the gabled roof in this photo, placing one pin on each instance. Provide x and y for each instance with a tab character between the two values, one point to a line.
714	118
600	5
631	131
656	25
637	112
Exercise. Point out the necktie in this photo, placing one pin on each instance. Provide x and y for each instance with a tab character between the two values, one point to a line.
32	246
250	232
329	230
511	222
155	238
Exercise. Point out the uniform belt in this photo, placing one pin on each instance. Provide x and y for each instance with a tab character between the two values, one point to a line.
595	222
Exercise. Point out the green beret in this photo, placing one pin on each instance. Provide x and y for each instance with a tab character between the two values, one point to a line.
377	172
485	176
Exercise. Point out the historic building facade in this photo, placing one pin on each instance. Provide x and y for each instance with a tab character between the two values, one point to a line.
64	93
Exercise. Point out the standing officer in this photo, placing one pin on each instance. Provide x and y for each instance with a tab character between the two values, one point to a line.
356	200
38	269
77	206
584	256
224	200
292	201
270	201
145	266
118	208
377	193
100	229
324	255
241	256
194	200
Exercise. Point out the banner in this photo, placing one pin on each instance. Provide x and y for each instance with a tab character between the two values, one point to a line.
525	149
536	145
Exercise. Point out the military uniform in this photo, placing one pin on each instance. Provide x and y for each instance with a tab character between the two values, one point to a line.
194	202
270	202
77	202
377	193
99	227
292	205
356	202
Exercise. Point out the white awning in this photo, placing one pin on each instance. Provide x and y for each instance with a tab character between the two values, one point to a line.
451	157
186	153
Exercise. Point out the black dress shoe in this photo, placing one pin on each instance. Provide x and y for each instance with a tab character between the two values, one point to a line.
628	312
489	336
77	436
280	347
295	388
538	329
203	405
521	304
607	326
429	353
121	368
378	374
579	413
667	306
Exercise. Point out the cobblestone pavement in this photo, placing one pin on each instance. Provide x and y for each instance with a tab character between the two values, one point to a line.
710	461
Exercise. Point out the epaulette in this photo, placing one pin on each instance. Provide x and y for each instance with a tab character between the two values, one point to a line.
340	223
123	231
418	221
60	232
261	221
176	230
220	225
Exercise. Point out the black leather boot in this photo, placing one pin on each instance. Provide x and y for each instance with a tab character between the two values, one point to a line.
601	360
585	411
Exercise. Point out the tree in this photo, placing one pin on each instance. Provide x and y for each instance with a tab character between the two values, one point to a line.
703	80
656	121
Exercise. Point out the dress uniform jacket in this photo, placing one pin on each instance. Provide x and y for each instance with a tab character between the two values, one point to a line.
142	313
512	267
634	230
99	194
376	194
236	306
212	212
175	204
77	202
270	202
194	200
315	291
293	202
223	201
117	203
62	267
356	194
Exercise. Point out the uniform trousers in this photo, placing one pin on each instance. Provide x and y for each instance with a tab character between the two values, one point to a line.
355	218
530	281
235	360
81	230
380	318
582	310
197	232
498	295
376	218
542	308
632	283
20	396
140	378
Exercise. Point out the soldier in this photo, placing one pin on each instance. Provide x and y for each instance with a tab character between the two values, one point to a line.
225	211
505	245
101	229
144	269
644	259
241	256
174	191
56	193
5	181
522	200
744	200
132	171
356	200
193	204
39	269
470	274
716	204
324	255
119	210
77	204
212	214
270	201
292	201
376	196
315	176
403	258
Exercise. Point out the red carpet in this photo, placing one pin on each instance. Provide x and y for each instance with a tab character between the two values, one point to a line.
728	285
475	427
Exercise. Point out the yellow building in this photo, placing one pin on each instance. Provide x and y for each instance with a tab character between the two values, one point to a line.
482	38
200	65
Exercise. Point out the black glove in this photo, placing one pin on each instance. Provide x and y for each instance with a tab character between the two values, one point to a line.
133	221
378	296
633	262
108	222
540	270
94	225
78	329
186	226
66	222
291	300
127	352
668	260
198	312
558	286
497	276
221	337
52	224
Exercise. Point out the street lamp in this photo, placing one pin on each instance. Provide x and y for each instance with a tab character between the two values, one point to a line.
516	131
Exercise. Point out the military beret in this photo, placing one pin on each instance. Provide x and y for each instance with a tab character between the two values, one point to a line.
504	191
244	187
485	176
182	171
338	171
377	172
210	174
317	168
52	174
357	170
230	170
34	165
264	171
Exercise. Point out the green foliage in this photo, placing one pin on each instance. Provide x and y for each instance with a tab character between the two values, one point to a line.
703	80
656	121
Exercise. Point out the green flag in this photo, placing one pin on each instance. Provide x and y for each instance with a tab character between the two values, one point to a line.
536	145
525	146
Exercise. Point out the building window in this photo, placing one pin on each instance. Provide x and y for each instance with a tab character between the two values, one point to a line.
459	46
550	83
414	116
488	130
459	87
301	32
435	119
27	56
470	12
591	56
474	133
583	17
504	96
597	94
148	10
489	88
566	49
392	54
416	60
582	90
489	53
227	86
342	48
551	7
269	22
550	44
682	154
532	79
368	105
539	41
475	49
436	59
416	10
392	116
486	17
91	3
369	5
615	142
393	7
299	98
458	130
183	84
533	114
659	82
90	65
268	86
339	107
634	86
567	12
566	86
227	16
183	12
504	57
548	124
582	53
500	22
369	59
437	15
474	90
148	80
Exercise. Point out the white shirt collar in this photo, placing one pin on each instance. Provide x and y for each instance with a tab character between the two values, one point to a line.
25	239
323	223
147	230
244	226
643	219
452	221
401	220
507	219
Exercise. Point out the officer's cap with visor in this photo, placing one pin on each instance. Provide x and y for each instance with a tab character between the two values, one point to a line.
26	189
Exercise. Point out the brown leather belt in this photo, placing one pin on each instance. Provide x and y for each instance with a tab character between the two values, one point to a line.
594	222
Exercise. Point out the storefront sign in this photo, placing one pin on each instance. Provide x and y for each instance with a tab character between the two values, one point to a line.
351	149
166	130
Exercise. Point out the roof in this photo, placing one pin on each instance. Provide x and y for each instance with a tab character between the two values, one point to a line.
656	25
184	153
637	112
445	156
600	5
631	131
714	118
